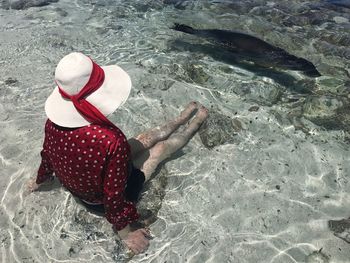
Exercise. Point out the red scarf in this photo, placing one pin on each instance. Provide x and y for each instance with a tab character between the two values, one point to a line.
85	108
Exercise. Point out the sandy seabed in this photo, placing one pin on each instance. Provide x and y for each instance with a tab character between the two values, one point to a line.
258	185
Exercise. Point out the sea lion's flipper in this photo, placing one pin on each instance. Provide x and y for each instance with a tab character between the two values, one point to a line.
183	28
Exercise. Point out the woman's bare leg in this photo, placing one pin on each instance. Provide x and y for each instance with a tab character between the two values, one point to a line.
149	138
164	149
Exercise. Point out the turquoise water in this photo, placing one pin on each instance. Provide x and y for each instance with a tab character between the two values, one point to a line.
278	166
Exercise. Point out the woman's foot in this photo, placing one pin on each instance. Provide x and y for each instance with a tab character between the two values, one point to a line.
202	114
166	148
149	138
186	114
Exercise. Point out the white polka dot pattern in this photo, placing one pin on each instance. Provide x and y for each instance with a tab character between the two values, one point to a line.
99	152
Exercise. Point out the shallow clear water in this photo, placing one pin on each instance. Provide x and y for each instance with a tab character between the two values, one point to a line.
262	195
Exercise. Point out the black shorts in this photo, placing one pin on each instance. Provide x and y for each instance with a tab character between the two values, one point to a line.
132	192
134	184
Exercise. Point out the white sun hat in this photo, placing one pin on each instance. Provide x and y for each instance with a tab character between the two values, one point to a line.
72	74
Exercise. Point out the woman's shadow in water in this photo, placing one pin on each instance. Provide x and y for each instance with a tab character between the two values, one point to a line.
47	187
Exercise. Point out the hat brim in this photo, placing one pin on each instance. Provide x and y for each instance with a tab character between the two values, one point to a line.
110	96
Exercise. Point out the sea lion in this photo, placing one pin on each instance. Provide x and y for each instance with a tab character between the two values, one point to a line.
253	49
180	4
342	3
23	4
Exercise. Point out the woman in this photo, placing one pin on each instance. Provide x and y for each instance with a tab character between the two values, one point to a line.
91	156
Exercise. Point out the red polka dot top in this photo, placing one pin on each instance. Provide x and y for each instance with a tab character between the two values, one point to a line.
92	163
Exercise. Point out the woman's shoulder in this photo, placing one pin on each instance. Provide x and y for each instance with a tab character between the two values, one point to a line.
95	131
112	132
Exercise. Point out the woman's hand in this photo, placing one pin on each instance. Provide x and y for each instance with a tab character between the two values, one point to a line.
32	185
138	240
